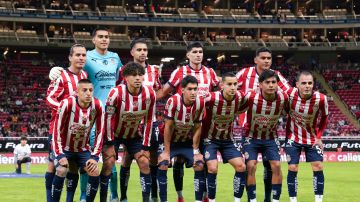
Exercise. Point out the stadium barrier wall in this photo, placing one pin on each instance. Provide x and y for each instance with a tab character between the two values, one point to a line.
41	157
40	144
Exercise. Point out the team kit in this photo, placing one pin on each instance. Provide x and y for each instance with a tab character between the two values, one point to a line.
98	104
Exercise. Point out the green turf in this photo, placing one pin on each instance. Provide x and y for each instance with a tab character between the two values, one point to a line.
342	184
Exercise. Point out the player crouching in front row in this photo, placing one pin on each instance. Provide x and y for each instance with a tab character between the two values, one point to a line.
70	142
126	107
221	109
182	133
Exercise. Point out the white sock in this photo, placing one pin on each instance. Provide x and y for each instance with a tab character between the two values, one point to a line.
318	198
253	200
211	200
293	199
28	167
179	193
198	201
274	200
237	199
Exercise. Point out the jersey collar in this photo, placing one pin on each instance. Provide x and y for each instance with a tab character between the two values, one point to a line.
222	94
127	89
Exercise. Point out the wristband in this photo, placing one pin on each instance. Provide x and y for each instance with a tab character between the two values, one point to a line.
196	151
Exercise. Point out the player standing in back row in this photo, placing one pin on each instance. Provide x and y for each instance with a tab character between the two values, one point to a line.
303	131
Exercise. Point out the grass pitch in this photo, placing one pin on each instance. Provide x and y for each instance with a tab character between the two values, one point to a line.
342	184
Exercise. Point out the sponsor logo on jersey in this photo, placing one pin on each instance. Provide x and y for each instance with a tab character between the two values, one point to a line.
105	75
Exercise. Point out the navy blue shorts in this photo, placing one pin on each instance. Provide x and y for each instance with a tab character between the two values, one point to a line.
227	148
133	145
51	153
182	149
293	151
79	158
270	149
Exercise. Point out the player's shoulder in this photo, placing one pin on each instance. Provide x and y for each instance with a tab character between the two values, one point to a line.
283	95
113	54
242	71
149	89
239	94
320	95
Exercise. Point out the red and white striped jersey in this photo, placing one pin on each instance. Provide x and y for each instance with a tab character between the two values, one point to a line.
302	121
124	112
73	125
248	79
60	89
184	116
262	115
220	115
151	77
206	77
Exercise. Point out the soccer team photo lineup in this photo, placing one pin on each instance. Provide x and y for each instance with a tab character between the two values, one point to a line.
246	100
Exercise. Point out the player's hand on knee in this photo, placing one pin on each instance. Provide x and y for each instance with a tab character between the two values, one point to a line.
64	162
92	167
198	160
55	73
164	157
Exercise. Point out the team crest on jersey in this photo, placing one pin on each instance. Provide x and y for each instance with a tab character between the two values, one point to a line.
112	61
105	62
187	115
110	109
207	155
147	101
135	103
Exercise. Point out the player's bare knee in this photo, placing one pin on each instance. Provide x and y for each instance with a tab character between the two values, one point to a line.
61	171
143	163
51	167
293	167
276	170
240	167
212	168
108	164
317	166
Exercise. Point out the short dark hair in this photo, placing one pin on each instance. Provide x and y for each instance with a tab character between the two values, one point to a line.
93	34
227	74
306	73
133	69
71	52
23	137
84	81
195	44
136	41
188	79
262	49
268	74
